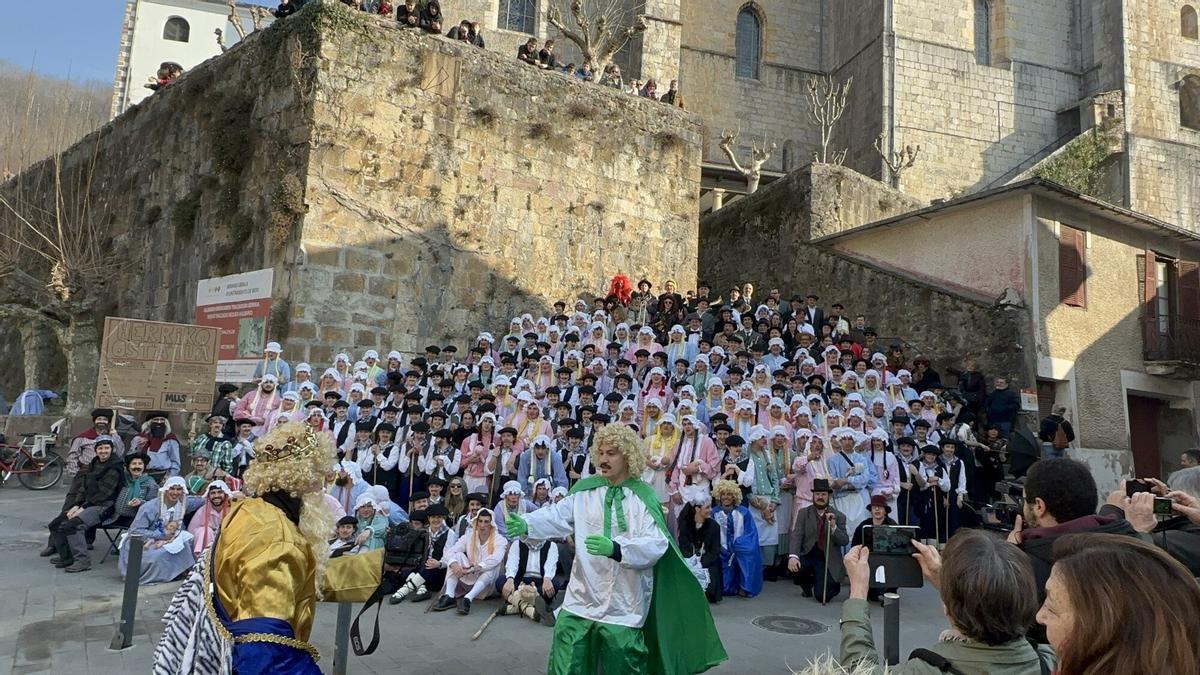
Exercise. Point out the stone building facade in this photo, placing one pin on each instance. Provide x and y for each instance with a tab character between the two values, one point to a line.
406	189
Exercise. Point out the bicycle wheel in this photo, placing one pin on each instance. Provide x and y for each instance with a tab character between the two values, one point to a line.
39	474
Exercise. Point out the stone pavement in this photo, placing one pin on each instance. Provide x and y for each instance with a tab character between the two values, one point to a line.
54	622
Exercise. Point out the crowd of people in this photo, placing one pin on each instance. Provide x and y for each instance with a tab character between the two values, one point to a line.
773	433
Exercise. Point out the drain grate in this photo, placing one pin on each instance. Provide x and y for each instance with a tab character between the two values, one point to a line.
790	625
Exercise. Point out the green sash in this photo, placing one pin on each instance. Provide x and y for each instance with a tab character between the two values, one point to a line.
679	630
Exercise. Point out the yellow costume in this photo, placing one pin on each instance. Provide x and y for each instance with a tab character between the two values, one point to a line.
256	579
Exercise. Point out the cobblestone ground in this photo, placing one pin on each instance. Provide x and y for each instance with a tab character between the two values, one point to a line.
54	622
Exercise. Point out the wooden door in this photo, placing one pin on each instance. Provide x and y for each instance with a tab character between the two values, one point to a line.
1144	414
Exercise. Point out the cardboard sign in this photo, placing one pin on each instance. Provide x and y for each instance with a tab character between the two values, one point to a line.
239	305
153	365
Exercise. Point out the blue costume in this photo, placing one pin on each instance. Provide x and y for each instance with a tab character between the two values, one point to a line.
741	559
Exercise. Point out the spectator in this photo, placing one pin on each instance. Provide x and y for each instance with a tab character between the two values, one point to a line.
635	88
671	94
94	502
461	32
528	52
1177	535
477	35
546	57
1118	605
584	73
924	377
612	76
407	15
987	589
1056	433
1190	458
1002	406
1060	499
286	8
650	90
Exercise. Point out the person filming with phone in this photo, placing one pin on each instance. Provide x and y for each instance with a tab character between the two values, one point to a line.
1160	513
989	596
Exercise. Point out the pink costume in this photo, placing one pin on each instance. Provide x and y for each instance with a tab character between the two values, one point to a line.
257	406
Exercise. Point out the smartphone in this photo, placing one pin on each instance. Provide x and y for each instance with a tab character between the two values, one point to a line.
1133	487
890	539
1162	506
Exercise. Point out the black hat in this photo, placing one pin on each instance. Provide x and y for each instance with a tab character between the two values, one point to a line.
442	433
341	404
942	417
439	413
929	450
553	390
417	496
947	440
921	423
243	420
821	485
381	391
155	413
723	427
450	348
347	520
587	389
313	404
602	418
567	421
364	425
390	408
437	510
900	419
718	417
437	481
227	389
587	408
563	370
906	440
462	398
206	419
508	430
486	408
477	497
420	515
384	426
735	440
366	403
575	433
414	409
132	456
420	427
837	390
613	396
474	384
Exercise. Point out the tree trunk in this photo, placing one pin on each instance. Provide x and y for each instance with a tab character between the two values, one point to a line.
80	340
38	349
752	180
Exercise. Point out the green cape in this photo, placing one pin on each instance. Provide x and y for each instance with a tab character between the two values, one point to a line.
679	629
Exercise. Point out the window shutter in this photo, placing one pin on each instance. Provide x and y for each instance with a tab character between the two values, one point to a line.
1149	303
1072	267
1189	290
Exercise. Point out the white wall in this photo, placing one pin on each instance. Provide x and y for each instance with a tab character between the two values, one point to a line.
149	49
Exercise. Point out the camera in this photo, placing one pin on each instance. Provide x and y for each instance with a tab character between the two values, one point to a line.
1162	506
1135	486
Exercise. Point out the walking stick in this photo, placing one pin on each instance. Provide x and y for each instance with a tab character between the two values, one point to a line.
485	624
937	522
825	572
412	474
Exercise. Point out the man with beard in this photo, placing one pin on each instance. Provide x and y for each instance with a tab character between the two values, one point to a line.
93	503
628	580
259	404
158	443
262	576
818	537
82	450
208	519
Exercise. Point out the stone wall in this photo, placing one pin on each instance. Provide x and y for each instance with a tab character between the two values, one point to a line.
450	188
415	190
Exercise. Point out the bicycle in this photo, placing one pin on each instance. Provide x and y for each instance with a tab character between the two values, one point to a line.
31	461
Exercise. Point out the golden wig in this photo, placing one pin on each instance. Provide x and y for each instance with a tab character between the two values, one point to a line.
292	459
727	487
624	439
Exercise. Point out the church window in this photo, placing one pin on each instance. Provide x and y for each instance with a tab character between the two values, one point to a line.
983	32
176	29
1187	23
517	15
748	42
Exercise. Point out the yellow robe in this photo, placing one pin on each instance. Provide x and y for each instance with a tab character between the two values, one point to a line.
264	568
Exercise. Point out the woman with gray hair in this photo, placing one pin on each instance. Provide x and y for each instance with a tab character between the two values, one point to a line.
990	599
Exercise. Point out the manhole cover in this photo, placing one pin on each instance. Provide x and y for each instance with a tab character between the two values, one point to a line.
790	625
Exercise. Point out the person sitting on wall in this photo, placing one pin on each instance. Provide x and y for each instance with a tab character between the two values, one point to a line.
407	15
546	56
431	17
528	52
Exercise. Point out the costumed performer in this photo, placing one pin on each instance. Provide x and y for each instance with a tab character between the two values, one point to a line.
632	604
741	557
248	606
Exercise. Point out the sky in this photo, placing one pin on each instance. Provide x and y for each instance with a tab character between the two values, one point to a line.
75	40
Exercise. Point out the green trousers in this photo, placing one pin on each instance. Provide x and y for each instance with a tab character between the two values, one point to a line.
580	645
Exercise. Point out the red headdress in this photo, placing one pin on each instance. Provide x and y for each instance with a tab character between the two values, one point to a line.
622	288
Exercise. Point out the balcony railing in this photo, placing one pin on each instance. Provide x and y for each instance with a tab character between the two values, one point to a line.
1171	338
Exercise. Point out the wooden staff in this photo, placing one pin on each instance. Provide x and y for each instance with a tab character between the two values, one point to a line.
828	543
412	474
487	622
937	524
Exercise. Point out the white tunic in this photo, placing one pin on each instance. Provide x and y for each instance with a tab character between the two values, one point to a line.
602	589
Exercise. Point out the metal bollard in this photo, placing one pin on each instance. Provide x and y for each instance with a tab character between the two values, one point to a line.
123	638
341	639
891	628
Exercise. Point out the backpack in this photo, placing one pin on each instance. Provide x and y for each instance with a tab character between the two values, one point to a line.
1060	438
943	664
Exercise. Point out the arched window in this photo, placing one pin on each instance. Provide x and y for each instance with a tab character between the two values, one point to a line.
176	30
1189	102
1187	23
517	15
748	42
983	32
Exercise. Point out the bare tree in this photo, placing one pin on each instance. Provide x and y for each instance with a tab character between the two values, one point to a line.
235	18
758	156
827	102
897	162
220	40
57	257
40	115
602	27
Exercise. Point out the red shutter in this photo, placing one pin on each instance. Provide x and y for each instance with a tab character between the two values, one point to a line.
1189	290
1072	266
1150	303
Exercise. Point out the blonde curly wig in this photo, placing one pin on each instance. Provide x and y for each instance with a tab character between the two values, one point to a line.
626	440
727	487
301	476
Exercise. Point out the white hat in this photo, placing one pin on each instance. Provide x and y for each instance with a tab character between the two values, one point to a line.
270	378
777	402
757	433
745	405
627	405
357	386
729	394
903	372
667	419
395	355
691	419
596	325
718	351
779	431
597	362
559	491
485	337
488	360
646	330
854	397
316	411
366	499
857	412
805	328
678	329
775	342
220	485
658	371
273	347
308	385
371	354
360	365
687	389
879	434
502	381
878	356
653	401
292	396
525	397
304	368
512	487
488	416
803	410
815	397
343	357
542	481
540	440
